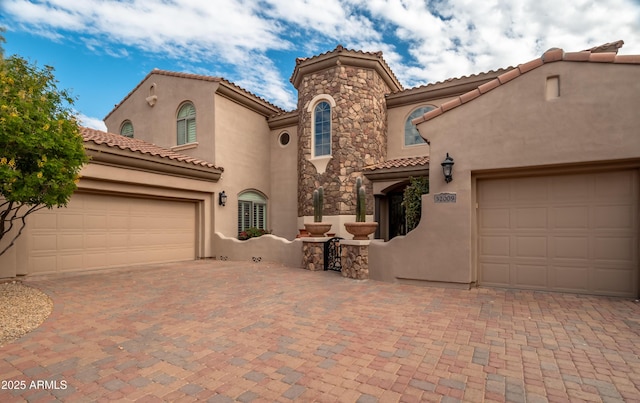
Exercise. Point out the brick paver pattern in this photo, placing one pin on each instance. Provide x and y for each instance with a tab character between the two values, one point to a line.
248	332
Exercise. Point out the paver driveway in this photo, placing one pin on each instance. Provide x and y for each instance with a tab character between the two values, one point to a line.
225	331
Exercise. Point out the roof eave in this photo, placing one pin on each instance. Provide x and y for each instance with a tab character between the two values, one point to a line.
105	154
397	172
363	60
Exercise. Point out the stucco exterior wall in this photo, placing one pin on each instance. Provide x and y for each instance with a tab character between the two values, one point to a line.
284	183
243	150
513	128
157	124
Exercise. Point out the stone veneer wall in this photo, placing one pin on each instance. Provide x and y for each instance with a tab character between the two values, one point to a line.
355	260
359	136
313	255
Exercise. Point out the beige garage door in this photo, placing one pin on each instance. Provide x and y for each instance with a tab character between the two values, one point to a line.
99	231
571	233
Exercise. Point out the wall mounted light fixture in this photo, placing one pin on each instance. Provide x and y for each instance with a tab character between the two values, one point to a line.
222	198
447	168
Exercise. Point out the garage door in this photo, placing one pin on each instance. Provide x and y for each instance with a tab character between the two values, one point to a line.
100	231
570	233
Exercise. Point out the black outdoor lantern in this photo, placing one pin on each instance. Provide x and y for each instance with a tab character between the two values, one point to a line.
222	198
447	168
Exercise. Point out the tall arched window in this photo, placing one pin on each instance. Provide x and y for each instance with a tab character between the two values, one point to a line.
252	211
186	124
411	134
322	129
127	129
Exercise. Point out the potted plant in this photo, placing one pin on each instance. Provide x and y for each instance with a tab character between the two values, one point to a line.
318	228
360	229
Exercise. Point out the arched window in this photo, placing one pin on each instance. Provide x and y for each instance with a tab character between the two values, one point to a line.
127	129
322	129
186	124
411	134
252	211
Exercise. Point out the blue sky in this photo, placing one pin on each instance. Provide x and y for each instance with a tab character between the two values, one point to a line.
101	49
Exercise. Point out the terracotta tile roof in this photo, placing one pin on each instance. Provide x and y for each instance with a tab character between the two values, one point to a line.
550	56
607	47
193	77
139	146
478	76
400	163
342	49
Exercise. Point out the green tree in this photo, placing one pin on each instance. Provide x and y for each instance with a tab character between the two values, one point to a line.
412	200
41	149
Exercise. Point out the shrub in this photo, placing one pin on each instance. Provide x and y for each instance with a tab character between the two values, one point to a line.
252	232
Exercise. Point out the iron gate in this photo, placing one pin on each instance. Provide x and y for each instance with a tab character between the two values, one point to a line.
332	254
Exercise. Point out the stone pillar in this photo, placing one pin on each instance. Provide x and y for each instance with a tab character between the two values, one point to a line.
355	259
313	253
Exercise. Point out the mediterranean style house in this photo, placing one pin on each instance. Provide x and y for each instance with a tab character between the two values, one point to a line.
543	193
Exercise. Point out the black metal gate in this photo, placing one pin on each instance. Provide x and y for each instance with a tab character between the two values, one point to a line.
332	254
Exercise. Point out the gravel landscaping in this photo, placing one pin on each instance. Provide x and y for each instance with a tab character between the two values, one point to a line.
22	309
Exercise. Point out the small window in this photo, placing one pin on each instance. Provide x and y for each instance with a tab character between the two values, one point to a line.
284	139
322	129
252	211
127	129
411	134
186	124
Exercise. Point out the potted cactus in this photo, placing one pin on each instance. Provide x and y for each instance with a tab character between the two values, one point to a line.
318	228
360	229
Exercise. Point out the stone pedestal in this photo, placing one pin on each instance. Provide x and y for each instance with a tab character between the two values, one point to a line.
313	253
355	259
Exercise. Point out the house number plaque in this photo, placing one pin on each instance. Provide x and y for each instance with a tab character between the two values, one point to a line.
444	198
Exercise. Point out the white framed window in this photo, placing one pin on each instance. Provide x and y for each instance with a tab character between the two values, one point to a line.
411	134
322	129
126	129
321	110
252	211
186	124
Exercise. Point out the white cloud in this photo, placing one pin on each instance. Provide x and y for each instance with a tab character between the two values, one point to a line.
423	41
93	123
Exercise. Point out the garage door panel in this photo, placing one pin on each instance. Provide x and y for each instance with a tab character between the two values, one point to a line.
612	281
530	190
530	218
531	246
573	233
567	189
496	274
492	246
570	217
614	248
614	217
530	276
615	185
570	247
97	231
570	278
495	218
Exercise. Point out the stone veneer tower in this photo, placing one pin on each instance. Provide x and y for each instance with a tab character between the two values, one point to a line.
357	82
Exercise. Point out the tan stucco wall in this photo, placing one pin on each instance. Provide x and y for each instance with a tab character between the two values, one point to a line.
242	149
268	248
157	124
397	117
595	120
283	204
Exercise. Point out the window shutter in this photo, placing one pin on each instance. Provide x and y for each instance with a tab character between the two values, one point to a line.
182	132
259	216
186	124
191	130
244	215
